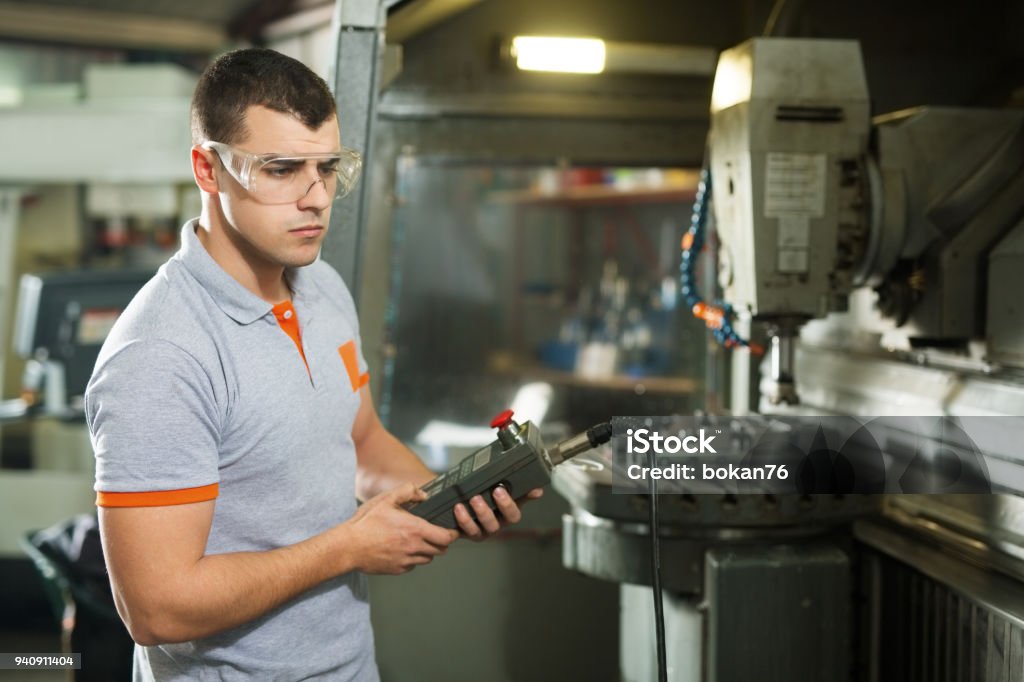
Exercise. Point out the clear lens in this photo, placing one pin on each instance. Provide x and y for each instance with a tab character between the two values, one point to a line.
276	179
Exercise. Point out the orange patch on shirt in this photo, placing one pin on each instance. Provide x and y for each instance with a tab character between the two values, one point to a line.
347	351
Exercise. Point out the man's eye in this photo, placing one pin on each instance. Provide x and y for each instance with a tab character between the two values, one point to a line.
279	171
329	168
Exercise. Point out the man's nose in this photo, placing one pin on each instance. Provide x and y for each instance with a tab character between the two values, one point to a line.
315	198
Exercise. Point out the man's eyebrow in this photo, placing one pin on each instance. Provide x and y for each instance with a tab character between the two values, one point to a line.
301	158
284	163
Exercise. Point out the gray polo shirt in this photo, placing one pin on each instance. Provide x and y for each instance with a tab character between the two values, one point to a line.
205	391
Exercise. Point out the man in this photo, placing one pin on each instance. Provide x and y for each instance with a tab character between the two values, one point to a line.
231	417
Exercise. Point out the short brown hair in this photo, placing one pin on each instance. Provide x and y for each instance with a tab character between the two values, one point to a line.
256	77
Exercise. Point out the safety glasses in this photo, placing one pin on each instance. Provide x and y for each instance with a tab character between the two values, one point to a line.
286	178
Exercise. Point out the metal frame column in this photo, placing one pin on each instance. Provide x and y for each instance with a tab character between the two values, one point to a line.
358	28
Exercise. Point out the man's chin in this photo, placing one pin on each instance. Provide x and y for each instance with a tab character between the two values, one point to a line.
302	256
301	262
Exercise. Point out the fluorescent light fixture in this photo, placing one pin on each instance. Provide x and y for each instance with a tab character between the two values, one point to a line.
565	55
593	55
657	58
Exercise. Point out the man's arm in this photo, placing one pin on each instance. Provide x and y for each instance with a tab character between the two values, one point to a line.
385	462
167	590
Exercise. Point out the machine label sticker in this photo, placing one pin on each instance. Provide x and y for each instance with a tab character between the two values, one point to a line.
807	455
794	232
794	240
793	260
794	184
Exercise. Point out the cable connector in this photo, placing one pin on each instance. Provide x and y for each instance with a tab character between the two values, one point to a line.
581	442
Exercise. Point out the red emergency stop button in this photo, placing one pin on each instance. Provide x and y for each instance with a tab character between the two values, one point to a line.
502	420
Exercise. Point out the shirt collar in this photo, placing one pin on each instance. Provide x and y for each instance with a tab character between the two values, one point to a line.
231	297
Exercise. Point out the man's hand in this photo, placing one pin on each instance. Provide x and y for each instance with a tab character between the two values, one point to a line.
487	522
387	539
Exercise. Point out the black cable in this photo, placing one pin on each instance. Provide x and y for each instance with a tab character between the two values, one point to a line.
602	433
659	611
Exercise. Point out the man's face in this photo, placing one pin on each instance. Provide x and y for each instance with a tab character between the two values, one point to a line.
288	234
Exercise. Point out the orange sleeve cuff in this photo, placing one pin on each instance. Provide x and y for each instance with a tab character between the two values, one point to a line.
158	498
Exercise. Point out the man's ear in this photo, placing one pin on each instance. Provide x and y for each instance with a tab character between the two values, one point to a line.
204	169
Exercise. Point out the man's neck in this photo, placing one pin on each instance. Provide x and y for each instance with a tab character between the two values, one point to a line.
262	278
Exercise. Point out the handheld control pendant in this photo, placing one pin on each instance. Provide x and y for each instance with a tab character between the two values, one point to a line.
516	461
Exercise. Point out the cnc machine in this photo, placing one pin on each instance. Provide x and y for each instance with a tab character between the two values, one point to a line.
879	260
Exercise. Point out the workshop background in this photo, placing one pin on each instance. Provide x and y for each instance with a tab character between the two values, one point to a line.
515	241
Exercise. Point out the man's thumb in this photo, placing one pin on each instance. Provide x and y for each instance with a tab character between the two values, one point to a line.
407	492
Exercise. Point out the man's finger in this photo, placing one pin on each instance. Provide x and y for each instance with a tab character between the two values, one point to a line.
431	550
466	522
406	493
506	505
484	516
438	535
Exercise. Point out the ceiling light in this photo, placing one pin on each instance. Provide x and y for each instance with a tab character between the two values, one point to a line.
593	55
566	55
